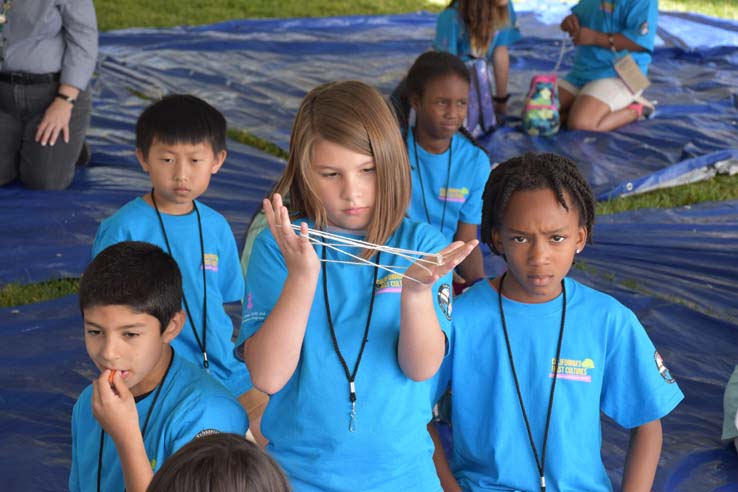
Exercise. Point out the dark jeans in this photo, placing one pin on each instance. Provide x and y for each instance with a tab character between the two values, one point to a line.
49	167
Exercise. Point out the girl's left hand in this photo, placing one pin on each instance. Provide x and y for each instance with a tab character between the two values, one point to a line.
427	274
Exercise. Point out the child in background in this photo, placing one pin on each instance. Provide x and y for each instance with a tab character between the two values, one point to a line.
180	143
516	426
593	96
346	351
148	401
448	168
220	463
481	29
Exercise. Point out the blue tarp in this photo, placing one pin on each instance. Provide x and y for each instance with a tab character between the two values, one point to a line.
675	268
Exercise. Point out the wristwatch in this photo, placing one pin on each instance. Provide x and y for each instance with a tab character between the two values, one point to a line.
67	98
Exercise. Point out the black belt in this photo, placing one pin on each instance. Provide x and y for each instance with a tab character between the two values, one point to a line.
23	78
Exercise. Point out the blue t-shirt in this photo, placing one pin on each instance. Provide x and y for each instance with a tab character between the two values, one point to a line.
607	364
634	19
191	404
463	200
453	37
137	221
307	421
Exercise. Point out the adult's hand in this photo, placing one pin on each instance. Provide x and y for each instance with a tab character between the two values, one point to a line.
570	24
55	122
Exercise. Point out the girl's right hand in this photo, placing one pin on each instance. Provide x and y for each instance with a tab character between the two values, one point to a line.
299	254
570	24
114	406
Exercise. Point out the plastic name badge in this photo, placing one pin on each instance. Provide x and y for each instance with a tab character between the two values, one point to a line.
628	71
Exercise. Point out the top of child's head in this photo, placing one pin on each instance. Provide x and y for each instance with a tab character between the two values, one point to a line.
536	171
431	66
538	212
130	296
220	462
180	143
348	166
181	118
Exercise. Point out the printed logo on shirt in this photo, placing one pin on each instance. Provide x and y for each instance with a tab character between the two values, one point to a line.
573	369
444	300
249	302
206	432
454	194
390	284
644	29
607	7
211	262
153	463
663	370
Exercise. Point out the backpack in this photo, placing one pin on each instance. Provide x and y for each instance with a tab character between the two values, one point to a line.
480	116
541	107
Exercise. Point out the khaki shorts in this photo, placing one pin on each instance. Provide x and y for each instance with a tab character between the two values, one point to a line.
611	91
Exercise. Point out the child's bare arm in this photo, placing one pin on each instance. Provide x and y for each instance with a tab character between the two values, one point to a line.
422	343
273	352
642	459
472	268
448	481
114	407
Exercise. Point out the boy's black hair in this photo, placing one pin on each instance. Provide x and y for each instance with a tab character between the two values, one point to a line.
427	67
220	462
138	275
532	171
180	118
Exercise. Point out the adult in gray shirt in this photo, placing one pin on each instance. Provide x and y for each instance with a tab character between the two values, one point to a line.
48	50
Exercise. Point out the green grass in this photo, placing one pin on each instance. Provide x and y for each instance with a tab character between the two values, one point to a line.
727	9
119	14
252	140
17	294
717	189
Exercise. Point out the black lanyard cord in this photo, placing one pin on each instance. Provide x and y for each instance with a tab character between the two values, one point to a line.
542	462
422	187
350	377
143	429
204	343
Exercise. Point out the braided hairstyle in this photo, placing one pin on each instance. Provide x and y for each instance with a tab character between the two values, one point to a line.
429	66
535	171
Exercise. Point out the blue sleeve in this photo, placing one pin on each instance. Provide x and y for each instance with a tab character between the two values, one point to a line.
448	32
637	387
471	211
229	271
264	281
203	416
639	22
74	473
510	34
107	235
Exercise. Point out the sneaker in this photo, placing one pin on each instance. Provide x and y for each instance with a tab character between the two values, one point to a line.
643	111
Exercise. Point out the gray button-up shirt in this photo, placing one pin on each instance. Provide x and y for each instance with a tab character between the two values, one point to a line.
45	36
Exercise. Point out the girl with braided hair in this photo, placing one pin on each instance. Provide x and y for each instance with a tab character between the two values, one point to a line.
535	356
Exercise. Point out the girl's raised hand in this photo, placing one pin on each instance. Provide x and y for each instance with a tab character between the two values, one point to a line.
298	252
430	271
